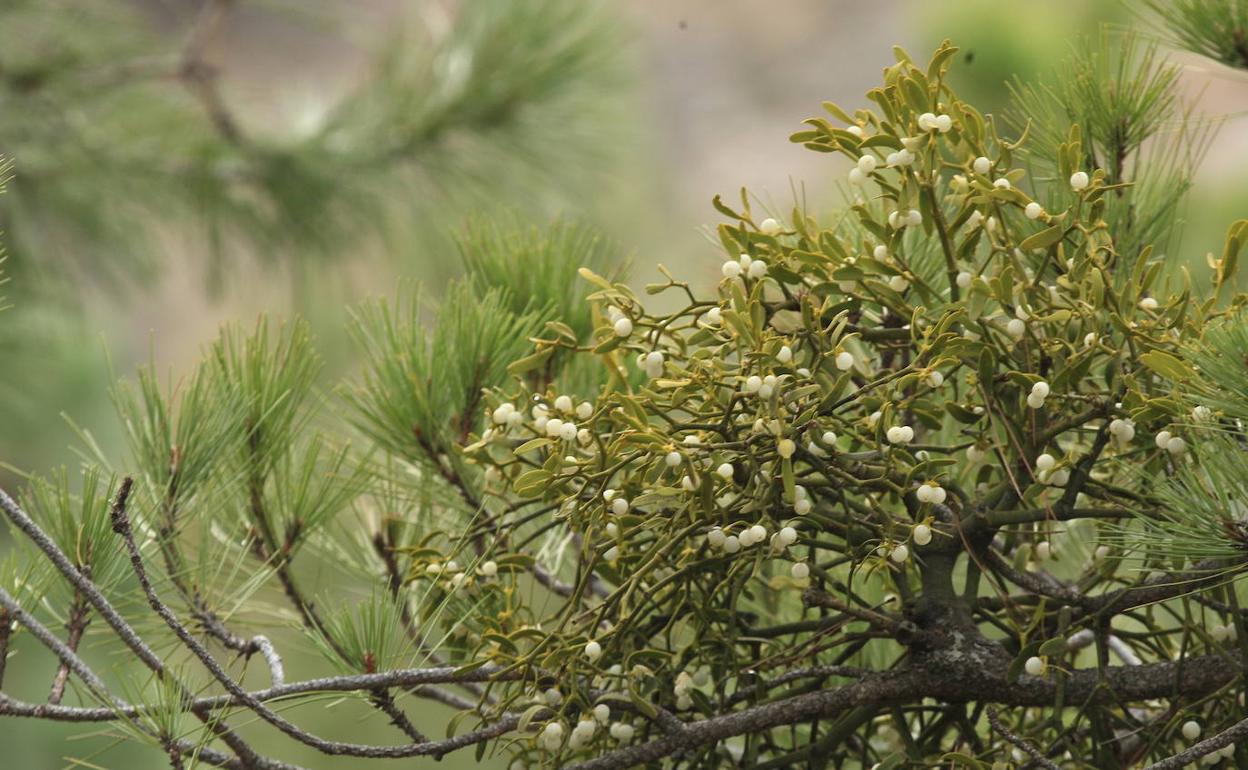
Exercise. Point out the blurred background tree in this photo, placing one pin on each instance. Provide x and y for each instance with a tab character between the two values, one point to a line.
135	134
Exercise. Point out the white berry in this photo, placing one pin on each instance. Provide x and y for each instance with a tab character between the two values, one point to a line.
921	534
1191	729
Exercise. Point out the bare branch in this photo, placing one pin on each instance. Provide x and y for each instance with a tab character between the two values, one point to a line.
994	719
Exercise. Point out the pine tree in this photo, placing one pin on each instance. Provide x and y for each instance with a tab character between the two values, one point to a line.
954	479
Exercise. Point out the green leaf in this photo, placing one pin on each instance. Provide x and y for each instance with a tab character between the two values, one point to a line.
531	362
532	444
531	482
1043	239
1167	365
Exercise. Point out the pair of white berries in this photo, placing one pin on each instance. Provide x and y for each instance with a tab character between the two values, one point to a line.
583	410
801	498
866	164
903	157
582	734
557	428
1171	443
752	268
1039	392
752	535
763	387
899	434
552	736
786	537
930	492
1122	429
899	219
507	414
1057	478
622	732
931	122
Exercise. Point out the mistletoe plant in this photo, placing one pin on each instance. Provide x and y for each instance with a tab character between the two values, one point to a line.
954	480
